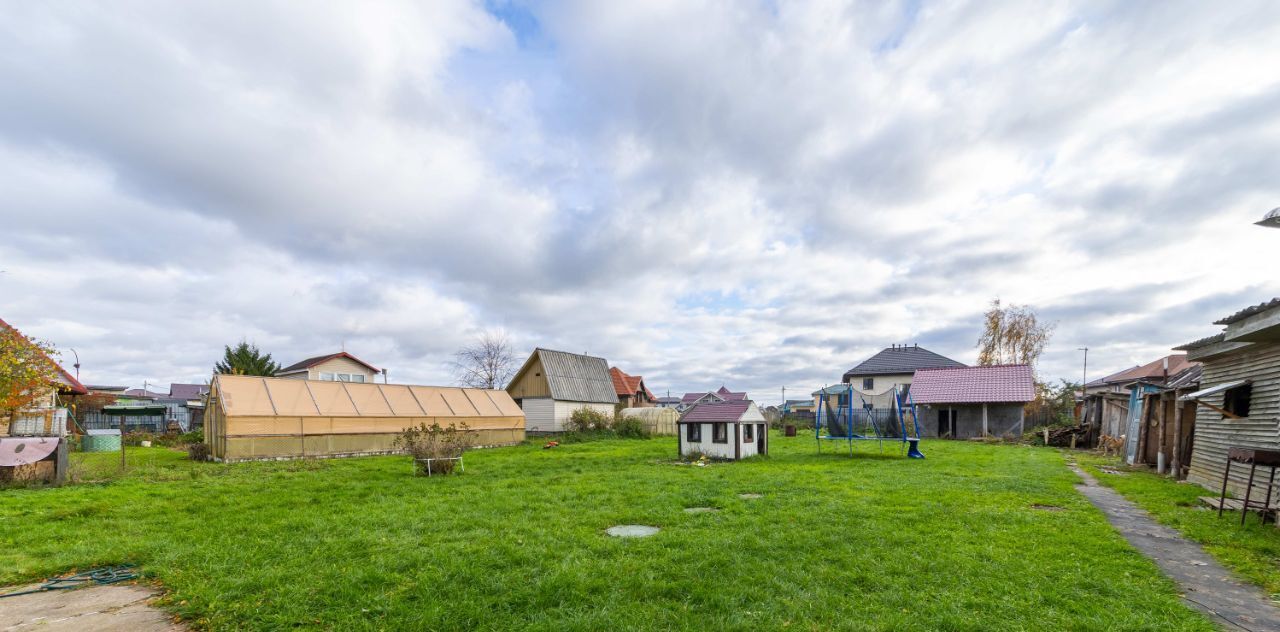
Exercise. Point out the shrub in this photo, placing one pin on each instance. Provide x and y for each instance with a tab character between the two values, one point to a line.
631	428
435	442
198	451
587	420
188	438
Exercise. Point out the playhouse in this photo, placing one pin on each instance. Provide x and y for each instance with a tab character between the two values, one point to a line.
723	430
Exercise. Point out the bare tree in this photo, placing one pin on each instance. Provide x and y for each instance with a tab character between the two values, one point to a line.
1012	335
485	363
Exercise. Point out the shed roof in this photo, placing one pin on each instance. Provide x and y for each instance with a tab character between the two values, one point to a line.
310	362
574	377
188	391
244	395
1150	371
1004	383
1249	311
898	360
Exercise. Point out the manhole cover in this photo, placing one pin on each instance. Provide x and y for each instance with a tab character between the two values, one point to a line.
696	510
750	496
1047	507
631	531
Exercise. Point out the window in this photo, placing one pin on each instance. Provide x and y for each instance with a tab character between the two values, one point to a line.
693	433
357	378
1236	400
748	433
326	377
868	383
344	377
720	433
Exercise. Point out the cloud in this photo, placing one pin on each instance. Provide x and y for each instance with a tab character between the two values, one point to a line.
718	192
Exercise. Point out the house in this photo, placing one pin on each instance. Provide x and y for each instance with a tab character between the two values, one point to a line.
251	417
723	430
335	367
630	389
720	395
192	398
46	414
976	401
550	385
799	407
667	402
894	366
1238	402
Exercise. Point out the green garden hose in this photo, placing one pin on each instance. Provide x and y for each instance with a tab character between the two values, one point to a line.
96	576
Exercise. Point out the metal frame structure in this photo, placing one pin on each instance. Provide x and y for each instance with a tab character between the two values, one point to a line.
844	416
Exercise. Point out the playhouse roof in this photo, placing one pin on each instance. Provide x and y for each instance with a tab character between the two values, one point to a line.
712	412
1005	383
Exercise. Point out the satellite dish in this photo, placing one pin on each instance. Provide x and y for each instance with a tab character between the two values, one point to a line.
1271	219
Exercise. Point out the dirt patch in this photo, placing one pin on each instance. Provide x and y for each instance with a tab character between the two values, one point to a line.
750	496
697	510
1048	507
117	607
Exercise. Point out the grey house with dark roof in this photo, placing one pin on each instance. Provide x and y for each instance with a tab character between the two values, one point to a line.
552	384
895	365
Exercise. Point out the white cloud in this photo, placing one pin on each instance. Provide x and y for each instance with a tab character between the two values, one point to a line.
703	192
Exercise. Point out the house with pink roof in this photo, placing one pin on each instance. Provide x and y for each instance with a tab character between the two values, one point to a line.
973	401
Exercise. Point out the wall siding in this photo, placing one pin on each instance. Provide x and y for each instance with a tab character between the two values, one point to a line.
539	414
1214	434
531	383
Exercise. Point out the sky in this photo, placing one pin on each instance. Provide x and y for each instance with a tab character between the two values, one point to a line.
754	194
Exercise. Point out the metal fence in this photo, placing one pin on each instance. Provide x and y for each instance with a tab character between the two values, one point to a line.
96	420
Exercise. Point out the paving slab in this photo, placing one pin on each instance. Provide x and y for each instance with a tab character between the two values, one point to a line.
113	608
1205	584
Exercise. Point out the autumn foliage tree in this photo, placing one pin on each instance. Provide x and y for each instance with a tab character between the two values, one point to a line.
1012	334
28	373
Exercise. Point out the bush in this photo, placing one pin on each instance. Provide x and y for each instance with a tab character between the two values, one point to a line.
198	451
587	420
188	438
631	428
435	442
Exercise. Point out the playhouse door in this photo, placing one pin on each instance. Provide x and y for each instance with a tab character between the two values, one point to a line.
761	431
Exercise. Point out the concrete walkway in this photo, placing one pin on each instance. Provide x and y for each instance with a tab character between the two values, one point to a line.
115	607
1205	584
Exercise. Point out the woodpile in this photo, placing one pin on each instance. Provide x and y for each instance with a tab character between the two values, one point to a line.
1065	436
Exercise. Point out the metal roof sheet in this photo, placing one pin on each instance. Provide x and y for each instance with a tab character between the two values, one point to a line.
1005	383
730	412
1249	311
573	377
901	360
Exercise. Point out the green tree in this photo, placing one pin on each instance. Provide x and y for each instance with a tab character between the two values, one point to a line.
246	359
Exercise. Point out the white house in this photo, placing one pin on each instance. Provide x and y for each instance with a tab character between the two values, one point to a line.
334	367
723	430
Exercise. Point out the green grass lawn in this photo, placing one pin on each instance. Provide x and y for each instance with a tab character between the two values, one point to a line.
1253	550
517	541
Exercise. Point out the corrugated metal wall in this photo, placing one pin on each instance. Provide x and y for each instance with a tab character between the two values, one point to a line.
1214	434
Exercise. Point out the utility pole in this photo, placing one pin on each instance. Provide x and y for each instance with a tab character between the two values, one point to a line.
1084	379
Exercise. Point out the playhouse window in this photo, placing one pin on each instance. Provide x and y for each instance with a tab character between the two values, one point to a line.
868	383
748	433
720	433
1236	400
693	432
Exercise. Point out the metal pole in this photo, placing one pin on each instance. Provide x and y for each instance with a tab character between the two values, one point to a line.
122	443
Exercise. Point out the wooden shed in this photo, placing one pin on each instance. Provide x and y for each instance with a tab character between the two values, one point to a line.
552	384
266	417
1238	403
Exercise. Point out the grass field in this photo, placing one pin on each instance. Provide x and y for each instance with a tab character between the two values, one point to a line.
953	542
1252	551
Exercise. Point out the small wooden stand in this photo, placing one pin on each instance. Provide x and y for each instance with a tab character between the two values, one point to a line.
1253	457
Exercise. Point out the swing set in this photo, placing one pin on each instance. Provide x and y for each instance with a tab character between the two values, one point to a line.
837	419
